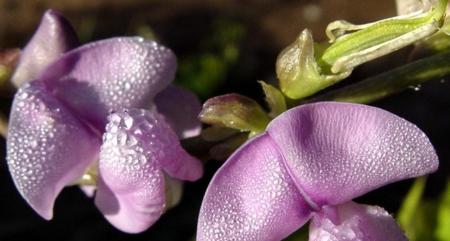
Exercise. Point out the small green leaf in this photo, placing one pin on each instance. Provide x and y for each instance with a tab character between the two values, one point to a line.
274	98
235	111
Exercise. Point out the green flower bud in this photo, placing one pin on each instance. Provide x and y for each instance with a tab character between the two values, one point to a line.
235	111
298	72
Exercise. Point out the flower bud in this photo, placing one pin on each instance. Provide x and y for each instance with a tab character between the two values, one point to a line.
299	73
235	111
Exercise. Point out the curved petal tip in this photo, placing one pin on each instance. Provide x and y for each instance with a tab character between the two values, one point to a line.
339	151
53	37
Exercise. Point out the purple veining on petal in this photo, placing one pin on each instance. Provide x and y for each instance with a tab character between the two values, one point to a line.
105	76
181	108
137	146
354	222
252	197
324	154
47	147
54	37
339	151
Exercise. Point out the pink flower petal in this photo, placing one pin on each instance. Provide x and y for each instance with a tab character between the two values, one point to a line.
54	37
252	197
339	151
105	76
354	222
47	148
138	146
181	108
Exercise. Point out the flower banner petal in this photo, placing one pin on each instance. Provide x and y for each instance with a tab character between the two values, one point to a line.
106	76
54	37
252	197
47	148
339	151
354	222
181	108
137	145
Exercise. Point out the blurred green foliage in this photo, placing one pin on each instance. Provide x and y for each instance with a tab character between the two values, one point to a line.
442	231
4	74
206	71
416	215
424	219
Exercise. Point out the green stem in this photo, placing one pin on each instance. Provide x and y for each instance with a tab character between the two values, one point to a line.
391	82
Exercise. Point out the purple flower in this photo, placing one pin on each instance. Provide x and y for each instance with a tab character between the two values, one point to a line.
116	88
309	164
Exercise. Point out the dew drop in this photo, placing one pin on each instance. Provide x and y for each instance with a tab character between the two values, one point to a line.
415	87
33	144
131	141
122	138
128	121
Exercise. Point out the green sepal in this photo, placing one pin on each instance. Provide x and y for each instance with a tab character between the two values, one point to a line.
217	133
274	98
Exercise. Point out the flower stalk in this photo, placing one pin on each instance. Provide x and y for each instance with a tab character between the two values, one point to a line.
391	82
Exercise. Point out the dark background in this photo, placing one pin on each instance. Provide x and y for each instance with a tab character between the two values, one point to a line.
199	32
